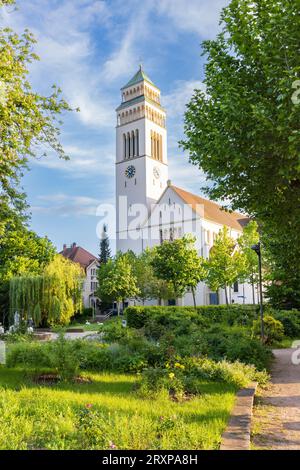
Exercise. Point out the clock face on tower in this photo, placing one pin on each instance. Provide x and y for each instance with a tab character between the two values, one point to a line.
130	171
156	172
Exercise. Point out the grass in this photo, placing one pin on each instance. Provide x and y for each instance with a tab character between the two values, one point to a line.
90	327
284	343
56	417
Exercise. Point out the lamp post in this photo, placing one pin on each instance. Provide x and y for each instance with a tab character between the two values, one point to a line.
257	249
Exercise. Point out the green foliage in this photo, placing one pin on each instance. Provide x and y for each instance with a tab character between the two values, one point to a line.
82	316
243	130
105	252
113	331
29	121
290	320
234	373
226	264
274	330
149	285
116	280
178	263
21	252
137	317
185	376
215	331
52	297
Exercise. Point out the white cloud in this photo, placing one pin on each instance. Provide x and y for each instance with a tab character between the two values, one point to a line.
126	54
198	16
64	205
176	101
84	162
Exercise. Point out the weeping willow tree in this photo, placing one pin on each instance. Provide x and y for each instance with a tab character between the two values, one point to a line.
50	298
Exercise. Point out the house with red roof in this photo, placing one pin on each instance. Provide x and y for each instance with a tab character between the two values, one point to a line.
90	264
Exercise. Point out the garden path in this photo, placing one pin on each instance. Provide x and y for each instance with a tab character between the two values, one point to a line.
276	420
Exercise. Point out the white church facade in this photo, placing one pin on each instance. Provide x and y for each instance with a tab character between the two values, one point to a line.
150	209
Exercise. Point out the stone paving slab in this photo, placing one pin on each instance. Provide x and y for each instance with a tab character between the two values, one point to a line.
237	434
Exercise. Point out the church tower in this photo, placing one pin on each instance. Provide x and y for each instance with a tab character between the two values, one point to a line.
141	157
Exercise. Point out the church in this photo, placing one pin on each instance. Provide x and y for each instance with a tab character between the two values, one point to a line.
150	208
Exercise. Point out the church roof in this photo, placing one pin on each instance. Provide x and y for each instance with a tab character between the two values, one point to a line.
78	255
137	100
140	76
211	210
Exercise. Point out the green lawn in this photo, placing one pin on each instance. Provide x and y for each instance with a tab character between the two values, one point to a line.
90	327
57	416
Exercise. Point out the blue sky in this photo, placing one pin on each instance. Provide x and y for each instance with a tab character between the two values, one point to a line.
90	48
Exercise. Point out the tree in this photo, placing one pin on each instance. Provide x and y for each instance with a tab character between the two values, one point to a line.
105	252
250	237
29	121
243	131
178	263
149	286
50	298
21	252
226	264
116	280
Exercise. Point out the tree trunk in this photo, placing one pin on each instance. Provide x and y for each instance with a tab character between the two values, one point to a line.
253	289
226	295
194	298
118	306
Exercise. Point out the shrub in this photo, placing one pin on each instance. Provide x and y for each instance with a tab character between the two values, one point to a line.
82	316
234	373
290	320
62	358
28	355
137	317
113	331
157	380
273	329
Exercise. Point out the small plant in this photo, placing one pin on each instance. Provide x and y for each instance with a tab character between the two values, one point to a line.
65	363
93	428
274	330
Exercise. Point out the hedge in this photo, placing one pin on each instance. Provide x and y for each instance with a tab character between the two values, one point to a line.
243	315
137	317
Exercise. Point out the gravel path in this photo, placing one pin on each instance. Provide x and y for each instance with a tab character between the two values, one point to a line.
276	420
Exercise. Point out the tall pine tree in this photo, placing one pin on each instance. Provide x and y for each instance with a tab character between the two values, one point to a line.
105	253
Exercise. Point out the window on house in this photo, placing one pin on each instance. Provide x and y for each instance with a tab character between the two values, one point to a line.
236	287
161	237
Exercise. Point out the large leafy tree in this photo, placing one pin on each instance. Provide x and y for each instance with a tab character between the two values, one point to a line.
243	131
226	263
116	280
29	121
178	263
52	297
149	285
21	251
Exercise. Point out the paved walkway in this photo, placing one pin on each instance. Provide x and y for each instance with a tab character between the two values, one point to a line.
276	421
72	335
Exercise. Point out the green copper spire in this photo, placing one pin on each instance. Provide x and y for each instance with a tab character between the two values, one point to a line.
137	78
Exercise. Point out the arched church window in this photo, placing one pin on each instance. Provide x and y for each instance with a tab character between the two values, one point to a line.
133	144
128	145
160	148
152	153
124	145
137	142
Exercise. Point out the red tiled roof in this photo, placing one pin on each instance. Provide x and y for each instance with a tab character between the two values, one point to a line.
78	255
212	211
